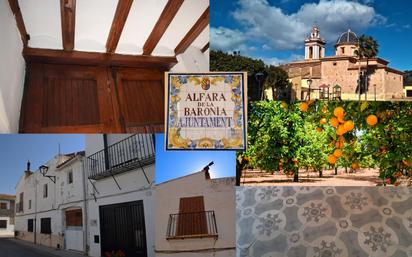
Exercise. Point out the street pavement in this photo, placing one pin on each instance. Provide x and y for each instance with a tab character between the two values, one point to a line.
10	247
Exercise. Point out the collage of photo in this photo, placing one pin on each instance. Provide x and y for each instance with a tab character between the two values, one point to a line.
205	128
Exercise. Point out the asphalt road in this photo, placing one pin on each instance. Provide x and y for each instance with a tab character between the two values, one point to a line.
11	248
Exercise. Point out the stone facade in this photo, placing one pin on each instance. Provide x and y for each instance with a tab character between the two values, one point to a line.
385	83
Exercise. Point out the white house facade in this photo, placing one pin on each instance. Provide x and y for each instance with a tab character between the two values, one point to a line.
195	216
7	215
121	172
50	207
95	202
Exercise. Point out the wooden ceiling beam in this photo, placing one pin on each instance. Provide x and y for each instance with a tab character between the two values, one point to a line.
15	8
119	20
168	13
68	23
98	59
193	33
204	49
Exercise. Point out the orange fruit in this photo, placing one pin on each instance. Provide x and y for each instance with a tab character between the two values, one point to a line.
304	107
333	122
372	120
341	120
348	125
340	130
332	159
355	166
310	102
337	153
339	112
323	121
319	129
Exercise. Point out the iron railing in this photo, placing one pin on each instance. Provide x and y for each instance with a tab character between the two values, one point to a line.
192	225
133	152
19	207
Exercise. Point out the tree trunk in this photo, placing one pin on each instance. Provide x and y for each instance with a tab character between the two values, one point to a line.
346	169
296	177
366	79
359	79
273	93
238	173
336	170
320	173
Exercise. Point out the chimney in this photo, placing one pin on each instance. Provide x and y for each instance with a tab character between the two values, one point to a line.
28	171
206	169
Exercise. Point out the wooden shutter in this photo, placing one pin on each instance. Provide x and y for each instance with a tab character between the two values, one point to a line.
74	218
192	217
66	98
3	206
141	99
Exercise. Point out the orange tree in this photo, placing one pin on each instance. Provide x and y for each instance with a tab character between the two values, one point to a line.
348	134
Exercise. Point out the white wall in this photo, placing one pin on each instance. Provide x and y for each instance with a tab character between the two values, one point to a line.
219	196
61	196
12	70
192	60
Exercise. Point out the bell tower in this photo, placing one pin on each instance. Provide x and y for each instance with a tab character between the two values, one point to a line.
314	45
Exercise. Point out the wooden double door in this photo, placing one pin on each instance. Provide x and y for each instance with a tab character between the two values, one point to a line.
91	99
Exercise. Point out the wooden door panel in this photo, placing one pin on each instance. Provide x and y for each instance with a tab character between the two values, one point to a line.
192	217
67	99
141	99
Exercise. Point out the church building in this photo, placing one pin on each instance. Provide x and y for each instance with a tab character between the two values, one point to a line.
336	77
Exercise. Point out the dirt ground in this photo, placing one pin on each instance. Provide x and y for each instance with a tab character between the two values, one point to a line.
362	177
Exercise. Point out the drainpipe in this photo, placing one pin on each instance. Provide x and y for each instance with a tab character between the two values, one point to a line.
106	152
85	223
35	209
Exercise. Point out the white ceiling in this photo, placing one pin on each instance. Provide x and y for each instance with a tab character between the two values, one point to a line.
94	19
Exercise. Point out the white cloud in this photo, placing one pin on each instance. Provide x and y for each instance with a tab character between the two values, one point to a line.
277	61
277	30
226	39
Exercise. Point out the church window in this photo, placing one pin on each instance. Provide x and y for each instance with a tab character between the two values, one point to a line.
310	52
342	50
334	63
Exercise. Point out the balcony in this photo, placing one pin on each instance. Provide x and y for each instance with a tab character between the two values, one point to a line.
192	225
19	207
131	153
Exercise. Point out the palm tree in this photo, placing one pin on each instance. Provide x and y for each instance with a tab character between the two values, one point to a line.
368	48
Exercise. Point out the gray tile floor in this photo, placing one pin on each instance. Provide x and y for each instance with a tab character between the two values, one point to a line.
324	221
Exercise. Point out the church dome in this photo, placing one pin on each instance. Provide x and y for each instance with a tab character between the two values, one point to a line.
348	37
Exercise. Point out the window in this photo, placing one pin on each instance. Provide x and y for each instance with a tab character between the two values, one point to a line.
310	52
29	204
45	189
192	218
3	206
342	49
334	63
45	225
3	224
74	218
30	225
70	177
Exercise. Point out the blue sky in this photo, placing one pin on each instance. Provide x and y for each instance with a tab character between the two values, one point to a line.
16	149
274	30
174	164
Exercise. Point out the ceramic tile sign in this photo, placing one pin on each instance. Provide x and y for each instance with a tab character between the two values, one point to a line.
206	111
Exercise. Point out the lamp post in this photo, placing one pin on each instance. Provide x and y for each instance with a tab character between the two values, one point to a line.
43	170
309	81
259	78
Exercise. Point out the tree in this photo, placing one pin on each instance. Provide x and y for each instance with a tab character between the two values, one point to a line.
277	80
368	48
220	61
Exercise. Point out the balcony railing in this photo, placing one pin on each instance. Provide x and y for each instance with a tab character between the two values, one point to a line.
19	207
192	225
133	152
